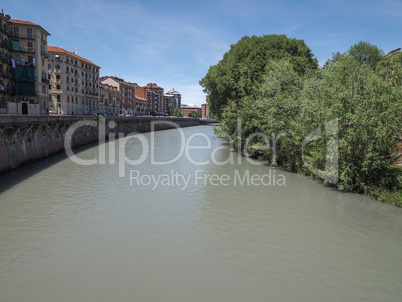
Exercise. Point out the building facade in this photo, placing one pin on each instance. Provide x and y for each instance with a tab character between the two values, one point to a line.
24	67
7	84
110	99
185	109
205	111
74	83
141	106
155	98
127	91
172	100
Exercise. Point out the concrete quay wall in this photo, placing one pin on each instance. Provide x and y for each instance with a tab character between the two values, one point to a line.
27	138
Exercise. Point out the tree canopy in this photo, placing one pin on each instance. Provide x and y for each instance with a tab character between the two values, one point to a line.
352	106
243	67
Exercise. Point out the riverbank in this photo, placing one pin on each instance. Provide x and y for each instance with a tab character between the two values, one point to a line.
392	197
27	138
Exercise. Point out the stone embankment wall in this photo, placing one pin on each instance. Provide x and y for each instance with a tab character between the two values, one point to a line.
26	138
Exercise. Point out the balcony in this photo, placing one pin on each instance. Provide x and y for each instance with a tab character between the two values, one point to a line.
57	91
26	49
45	81
22	36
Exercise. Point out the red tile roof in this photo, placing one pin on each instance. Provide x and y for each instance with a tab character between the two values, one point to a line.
16	21
152	85
23	22
61	50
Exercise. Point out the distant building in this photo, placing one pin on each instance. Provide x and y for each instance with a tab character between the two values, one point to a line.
109	101
141	105
23	74
185	109
74	83
155	98
7	83
172	100
205	110
127	91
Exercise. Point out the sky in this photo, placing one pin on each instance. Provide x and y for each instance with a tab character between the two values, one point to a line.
173	43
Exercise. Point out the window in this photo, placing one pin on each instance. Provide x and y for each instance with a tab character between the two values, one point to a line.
29	33
16	31
57	67
43	89
67	69
58	98
49	66
68	99
30	59
29	46
58	87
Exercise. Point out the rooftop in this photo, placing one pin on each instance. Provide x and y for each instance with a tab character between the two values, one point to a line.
23	22
61	50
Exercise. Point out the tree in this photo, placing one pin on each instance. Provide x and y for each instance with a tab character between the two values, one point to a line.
177	112
365	52
194	114
243	67
170	109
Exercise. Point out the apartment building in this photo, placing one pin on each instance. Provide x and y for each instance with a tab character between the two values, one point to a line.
172	100
7	83
205	110
74	83
127	91
110	98
141	106
23	68
185	109
155	98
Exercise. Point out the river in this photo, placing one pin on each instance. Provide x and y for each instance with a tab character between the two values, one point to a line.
236	232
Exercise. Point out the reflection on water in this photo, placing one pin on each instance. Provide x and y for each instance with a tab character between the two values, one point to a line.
82	233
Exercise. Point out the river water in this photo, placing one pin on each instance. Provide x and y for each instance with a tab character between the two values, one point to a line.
235	232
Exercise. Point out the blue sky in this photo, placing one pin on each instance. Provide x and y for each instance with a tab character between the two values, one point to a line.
173	43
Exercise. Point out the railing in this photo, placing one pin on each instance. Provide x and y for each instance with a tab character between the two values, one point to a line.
26	49
21	35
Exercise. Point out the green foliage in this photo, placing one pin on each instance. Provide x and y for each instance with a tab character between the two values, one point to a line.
365	52
177	112
243	68
194	114
357	90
